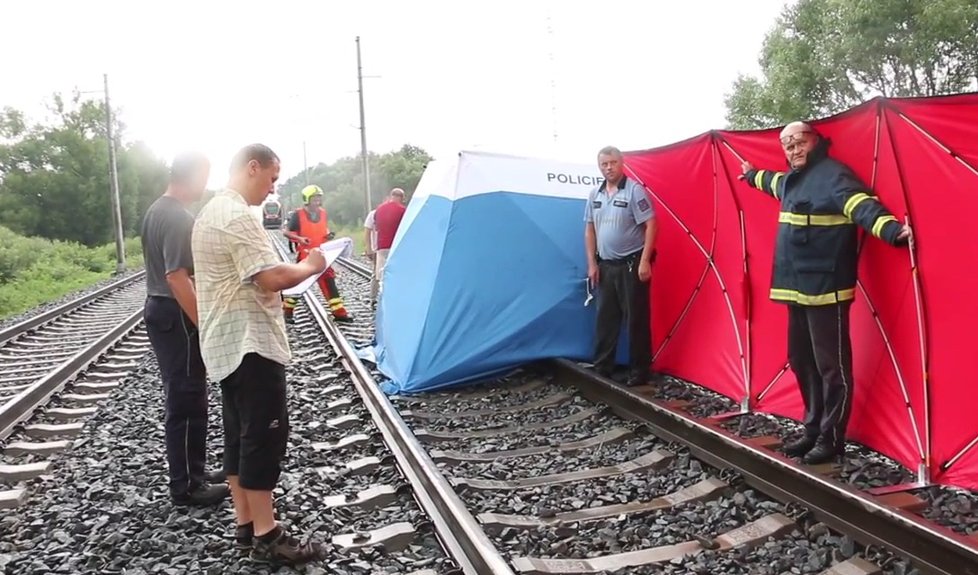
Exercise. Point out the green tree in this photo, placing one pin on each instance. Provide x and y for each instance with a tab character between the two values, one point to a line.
823	56
342	182
54	177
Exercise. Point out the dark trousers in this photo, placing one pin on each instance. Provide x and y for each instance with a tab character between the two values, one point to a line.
622	297
177	347
820	354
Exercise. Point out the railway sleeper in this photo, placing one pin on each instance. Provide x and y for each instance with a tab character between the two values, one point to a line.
610	437
549	401
853	566
12	498
37	447
657	459
12	473
47	430
705	490
752	534
349	441
392	538
582	415
70	413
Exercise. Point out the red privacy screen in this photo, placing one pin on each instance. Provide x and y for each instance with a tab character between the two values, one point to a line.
916	310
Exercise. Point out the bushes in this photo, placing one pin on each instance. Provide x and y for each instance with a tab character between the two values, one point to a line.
35	270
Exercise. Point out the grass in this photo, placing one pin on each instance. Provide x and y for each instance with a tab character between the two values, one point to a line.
353	232
34	271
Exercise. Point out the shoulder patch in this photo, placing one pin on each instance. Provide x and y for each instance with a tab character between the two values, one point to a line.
643	204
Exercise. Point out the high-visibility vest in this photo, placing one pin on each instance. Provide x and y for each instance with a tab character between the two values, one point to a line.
315	231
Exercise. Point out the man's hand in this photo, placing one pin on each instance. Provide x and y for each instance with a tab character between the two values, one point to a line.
744	168
644	271
317	260
304	241
593	274
905	235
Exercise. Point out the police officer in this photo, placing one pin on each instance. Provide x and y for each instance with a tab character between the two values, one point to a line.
619	236
815	275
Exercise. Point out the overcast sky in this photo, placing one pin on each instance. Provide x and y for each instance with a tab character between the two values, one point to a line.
215	75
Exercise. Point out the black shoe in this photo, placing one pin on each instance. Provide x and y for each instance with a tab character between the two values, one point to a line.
284	549
800	447
244	536
823	452
216	476
343	318
202	496
636	380
605	372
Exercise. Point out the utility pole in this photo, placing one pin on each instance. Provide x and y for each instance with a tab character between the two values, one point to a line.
120	247
305	164
363	136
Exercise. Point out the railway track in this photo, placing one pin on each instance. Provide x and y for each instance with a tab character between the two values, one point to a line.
373	462
567	472
83	348
519	451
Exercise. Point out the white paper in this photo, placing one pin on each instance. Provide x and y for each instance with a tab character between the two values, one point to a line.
340	247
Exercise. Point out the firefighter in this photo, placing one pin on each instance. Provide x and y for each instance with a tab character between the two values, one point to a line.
308	228
815	261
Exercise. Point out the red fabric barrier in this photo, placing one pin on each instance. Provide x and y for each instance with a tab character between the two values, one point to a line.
915	309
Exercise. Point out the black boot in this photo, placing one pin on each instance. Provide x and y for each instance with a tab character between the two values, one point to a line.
823	452
800	447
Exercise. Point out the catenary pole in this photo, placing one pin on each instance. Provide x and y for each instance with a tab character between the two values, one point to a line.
363	136
120	247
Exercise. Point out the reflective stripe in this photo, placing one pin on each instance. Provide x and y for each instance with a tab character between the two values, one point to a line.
880	222
774	184
812	219
759	180
853	201
793	296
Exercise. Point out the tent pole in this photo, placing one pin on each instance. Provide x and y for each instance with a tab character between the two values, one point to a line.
924	470
745	351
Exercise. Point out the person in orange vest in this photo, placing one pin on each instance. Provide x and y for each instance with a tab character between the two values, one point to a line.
308	228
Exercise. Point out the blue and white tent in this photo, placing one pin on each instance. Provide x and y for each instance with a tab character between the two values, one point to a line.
487	272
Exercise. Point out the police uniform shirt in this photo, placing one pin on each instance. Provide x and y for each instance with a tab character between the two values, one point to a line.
618	218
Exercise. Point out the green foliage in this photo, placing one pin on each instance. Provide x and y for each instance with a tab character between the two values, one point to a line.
54	177
35	270
823	56
342	183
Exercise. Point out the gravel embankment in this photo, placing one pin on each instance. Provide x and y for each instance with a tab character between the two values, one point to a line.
106	508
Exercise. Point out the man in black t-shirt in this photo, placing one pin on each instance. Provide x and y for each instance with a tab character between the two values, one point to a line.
171	322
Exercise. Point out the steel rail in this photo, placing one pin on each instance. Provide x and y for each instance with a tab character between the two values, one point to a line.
458	530
932	548
10	332
25	403
356	267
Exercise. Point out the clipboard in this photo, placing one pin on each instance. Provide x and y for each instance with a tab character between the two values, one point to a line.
332	250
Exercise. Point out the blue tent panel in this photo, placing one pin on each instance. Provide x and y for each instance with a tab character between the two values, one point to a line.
478	285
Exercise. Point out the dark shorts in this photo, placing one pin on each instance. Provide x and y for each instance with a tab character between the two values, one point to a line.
256	422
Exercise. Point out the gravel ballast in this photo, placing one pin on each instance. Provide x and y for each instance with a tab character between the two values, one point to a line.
106	509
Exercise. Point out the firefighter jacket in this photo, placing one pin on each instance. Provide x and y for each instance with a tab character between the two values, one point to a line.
816	250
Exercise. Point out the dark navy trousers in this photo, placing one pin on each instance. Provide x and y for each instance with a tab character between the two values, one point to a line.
176	344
